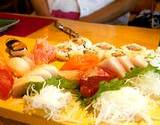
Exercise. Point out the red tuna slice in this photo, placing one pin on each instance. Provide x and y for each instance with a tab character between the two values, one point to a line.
87	91
89	83
95	75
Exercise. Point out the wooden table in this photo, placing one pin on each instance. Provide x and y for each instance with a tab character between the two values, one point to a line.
118	35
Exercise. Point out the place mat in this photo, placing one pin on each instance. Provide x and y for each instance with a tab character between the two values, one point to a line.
27	24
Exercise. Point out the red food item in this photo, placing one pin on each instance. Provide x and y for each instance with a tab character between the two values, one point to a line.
6	82
92	84
43	53
99	72
87	91
89	83
81	62
93	81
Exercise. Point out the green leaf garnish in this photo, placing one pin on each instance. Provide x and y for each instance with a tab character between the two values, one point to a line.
117	84
61	82
57	81
73	86
138	71
114	84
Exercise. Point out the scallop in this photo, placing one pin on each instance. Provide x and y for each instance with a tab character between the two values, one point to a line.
19	66
20	85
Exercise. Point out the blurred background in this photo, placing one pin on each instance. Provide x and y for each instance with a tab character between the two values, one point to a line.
27	7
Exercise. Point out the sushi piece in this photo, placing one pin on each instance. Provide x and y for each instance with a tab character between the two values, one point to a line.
104	49
19	66
134	49
20	85
67	50
46	71
43	52
82	41
39	74
29	61
113	65
73	47
50	68
125	62
123	59
16	48
104	46
139	61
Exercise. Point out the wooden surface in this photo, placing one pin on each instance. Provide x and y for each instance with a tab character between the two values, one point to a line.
118	35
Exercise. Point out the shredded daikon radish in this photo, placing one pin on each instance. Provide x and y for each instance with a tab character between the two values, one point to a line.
155	62
158	51
124	105
50	99
149	83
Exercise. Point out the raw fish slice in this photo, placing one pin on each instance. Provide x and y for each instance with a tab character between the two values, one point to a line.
125	61
112	64
50	68
139	61
40	72
19	66
43	52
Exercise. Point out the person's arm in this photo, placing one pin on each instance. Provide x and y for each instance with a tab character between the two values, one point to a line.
111	11
41	7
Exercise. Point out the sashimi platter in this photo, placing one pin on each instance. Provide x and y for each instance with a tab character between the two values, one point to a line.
79	82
